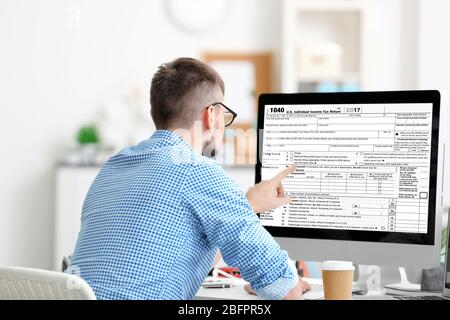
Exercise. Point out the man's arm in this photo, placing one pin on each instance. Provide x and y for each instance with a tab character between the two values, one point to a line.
229	223
294	294
269	194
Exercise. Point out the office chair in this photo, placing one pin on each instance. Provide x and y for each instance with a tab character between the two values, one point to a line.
34	284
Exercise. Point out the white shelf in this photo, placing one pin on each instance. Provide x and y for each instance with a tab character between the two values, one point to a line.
317	22
343	78
72	185
327	5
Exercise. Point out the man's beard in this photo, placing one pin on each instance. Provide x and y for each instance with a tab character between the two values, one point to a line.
209	148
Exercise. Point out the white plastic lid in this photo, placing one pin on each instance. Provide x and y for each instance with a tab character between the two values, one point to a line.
337	265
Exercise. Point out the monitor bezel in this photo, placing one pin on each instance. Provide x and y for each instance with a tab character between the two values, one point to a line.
428	96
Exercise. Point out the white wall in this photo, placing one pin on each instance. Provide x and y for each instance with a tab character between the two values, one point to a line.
434	49
390	45
434	58
52	79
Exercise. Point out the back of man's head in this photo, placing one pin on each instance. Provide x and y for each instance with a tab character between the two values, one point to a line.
180	89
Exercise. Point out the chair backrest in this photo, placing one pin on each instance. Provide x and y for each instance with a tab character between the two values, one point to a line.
34	284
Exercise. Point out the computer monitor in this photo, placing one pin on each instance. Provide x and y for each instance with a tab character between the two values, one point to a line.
369	183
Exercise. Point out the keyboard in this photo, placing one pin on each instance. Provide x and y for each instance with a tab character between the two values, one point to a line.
419	298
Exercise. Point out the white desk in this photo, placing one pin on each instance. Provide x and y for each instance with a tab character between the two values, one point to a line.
237	292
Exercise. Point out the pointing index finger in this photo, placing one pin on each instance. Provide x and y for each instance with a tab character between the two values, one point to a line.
283	174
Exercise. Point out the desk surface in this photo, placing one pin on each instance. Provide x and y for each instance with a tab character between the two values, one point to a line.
237	292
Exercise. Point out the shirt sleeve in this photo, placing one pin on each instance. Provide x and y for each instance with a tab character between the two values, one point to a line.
229	223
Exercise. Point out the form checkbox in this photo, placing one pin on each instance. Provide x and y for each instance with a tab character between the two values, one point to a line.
423	195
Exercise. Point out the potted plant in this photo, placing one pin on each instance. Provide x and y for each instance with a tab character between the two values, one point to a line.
88	140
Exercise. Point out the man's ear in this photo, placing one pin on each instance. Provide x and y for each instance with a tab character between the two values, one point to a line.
209	118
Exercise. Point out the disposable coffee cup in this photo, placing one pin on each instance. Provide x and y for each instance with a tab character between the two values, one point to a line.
337	279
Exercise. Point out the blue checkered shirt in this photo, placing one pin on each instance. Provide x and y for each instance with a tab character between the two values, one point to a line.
155	216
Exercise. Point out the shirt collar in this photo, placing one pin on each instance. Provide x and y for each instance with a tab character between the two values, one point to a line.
162	138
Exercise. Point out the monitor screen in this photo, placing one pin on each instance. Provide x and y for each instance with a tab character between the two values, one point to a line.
365	170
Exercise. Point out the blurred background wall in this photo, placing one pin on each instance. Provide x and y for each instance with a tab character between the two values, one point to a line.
60	60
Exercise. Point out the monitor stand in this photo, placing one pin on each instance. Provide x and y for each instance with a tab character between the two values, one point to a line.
404	284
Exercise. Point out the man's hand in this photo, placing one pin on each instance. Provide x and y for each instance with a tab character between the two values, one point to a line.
297	292
269	194
294	294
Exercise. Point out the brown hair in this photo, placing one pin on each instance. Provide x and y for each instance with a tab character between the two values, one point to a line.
179	89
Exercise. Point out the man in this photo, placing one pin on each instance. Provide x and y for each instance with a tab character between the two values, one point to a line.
157	212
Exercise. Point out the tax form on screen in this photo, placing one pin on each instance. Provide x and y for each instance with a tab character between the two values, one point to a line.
360	167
